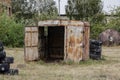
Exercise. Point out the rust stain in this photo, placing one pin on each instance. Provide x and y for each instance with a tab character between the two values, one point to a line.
75	53
86	42
70	50
72	41
80	54
79	40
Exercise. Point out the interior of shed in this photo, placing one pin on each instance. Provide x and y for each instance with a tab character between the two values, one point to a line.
51	43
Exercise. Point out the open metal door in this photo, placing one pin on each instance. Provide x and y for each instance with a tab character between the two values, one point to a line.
74	43
31	44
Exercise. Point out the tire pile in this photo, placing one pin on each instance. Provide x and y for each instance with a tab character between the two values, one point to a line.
5	62
95	49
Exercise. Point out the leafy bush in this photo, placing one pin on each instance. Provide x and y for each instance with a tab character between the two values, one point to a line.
11	32
101	23
96	29
98	24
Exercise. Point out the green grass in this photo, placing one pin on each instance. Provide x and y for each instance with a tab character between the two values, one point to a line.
106	69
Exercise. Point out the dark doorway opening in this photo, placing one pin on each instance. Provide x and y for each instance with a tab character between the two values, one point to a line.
51	43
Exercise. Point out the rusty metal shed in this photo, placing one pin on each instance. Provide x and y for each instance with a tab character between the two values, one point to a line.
57	39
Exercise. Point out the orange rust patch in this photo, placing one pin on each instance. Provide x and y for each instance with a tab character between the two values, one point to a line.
79	40
72	41
70	50
75	53
79	53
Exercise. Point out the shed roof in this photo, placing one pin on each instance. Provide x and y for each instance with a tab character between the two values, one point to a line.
63	23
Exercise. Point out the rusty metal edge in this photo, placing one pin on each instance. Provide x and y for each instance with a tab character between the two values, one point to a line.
86	24
60	23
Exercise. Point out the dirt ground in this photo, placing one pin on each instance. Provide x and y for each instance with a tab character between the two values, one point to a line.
106	69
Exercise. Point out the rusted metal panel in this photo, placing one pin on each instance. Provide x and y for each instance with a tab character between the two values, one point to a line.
60	23
86	43
31	36
74	43
27	39
31	53
31	43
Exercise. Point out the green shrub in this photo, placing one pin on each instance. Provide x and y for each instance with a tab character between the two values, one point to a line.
96	29
11	32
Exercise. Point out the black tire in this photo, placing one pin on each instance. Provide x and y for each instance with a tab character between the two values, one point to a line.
4	67
95	42
9	60
1	46
2	55
94	47
95	57
96	50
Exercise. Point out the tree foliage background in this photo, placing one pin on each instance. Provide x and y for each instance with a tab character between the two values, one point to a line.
114	23
29	12
34	9
11	32
23	9
25	12
88	10
83	9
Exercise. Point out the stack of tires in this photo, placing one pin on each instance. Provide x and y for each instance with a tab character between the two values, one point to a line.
95	49
5	62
